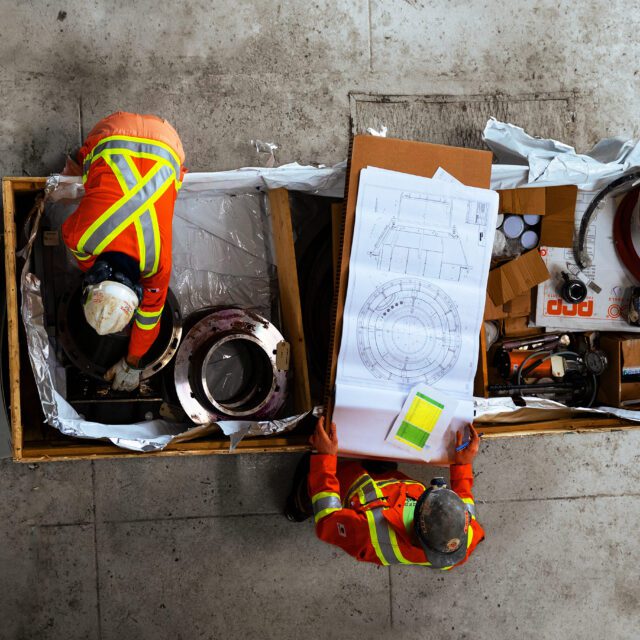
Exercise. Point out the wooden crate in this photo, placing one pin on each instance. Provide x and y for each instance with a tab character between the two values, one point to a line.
34	441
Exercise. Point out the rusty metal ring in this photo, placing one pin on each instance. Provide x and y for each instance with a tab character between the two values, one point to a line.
265	393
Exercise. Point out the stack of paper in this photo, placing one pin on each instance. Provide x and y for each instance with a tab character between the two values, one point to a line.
415	299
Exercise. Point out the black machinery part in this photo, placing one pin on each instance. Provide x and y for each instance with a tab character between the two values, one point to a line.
579	247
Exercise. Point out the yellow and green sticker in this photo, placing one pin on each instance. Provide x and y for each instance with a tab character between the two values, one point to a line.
419	421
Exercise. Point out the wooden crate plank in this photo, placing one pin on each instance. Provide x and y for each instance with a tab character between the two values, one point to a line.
8	201
290	295
337	213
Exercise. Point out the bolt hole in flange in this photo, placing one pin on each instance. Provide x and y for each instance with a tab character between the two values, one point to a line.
226	368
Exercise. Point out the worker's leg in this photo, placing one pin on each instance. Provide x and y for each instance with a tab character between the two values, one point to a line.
298	507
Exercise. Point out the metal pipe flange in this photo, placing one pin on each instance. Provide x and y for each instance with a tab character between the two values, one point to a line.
226	368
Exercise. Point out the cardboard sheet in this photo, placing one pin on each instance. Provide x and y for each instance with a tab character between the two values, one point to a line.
517	277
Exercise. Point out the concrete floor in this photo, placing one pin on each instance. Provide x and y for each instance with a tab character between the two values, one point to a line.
195	547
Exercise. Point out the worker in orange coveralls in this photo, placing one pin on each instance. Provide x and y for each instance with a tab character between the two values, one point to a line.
120	234
383	516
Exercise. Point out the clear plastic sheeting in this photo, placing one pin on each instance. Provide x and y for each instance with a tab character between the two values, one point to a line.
537	162
222	256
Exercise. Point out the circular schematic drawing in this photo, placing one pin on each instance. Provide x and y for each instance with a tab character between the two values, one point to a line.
409	331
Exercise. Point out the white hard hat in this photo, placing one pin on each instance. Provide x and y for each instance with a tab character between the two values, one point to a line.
109	306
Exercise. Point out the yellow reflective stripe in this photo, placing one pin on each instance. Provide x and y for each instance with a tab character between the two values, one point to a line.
139	154
148	314
472	504
359	479
373	534
146	327
80	255
325	512
132	165
469	536
397	551
150	141
116	205
324	494
156	240
118	174
135	214
142	249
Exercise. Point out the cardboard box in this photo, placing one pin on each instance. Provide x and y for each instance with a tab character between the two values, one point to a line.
516	277
623	351
556	204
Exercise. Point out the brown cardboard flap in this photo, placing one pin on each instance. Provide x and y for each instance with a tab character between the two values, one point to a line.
519	306
558	223
630	353
521	201
471	166
517	277
492	311
519	327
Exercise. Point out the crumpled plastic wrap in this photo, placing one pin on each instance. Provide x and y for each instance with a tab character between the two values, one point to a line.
527	161
222	255
505	410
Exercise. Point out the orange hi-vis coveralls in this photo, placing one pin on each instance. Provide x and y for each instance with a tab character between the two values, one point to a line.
132	168
370	516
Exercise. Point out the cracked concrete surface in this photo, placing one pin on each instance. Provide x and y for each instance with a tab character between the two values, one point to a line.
195	547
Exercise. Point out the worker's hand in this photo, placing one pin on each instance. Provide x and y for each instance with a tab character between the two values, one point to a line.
467	455
324	442
123	376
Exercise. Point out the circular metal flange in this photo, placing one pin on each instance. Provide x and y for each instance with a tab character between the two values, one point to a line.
93	354
263	391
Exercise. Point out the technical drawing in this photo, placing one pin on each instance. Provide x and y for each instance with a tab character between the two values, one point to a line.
409	331
418	209
477	213
420	251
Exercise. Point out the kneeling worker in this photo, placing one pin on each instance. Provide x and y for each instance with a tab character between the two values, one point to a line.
120	234
385	517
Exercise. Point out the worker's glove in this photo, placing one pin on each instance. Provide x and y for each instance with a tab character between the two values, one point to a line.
123	376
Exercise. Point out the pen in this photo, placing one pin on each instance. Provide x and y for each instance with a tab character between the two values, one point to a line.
464	445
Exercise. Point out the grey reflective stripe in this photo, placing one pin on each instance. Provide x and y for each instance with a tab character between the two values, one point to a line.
471	508
121	215
120	161
369	491
384	539
130	145
149	241
328	502
359	483
146	320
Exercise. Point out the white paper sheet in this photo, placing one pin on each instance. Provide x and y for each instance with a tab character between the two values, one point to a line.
415	299
603	311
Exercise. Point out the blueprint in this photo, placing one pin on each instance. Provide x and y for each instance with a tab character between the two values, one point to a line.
415	300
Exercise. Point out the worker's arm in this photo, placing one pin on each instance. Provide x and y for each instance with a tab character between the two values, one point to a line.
344	528
146	324
461	475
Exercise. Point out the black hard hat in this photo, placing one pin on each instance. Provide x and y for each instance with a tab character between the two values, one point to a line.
116	266
441	522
